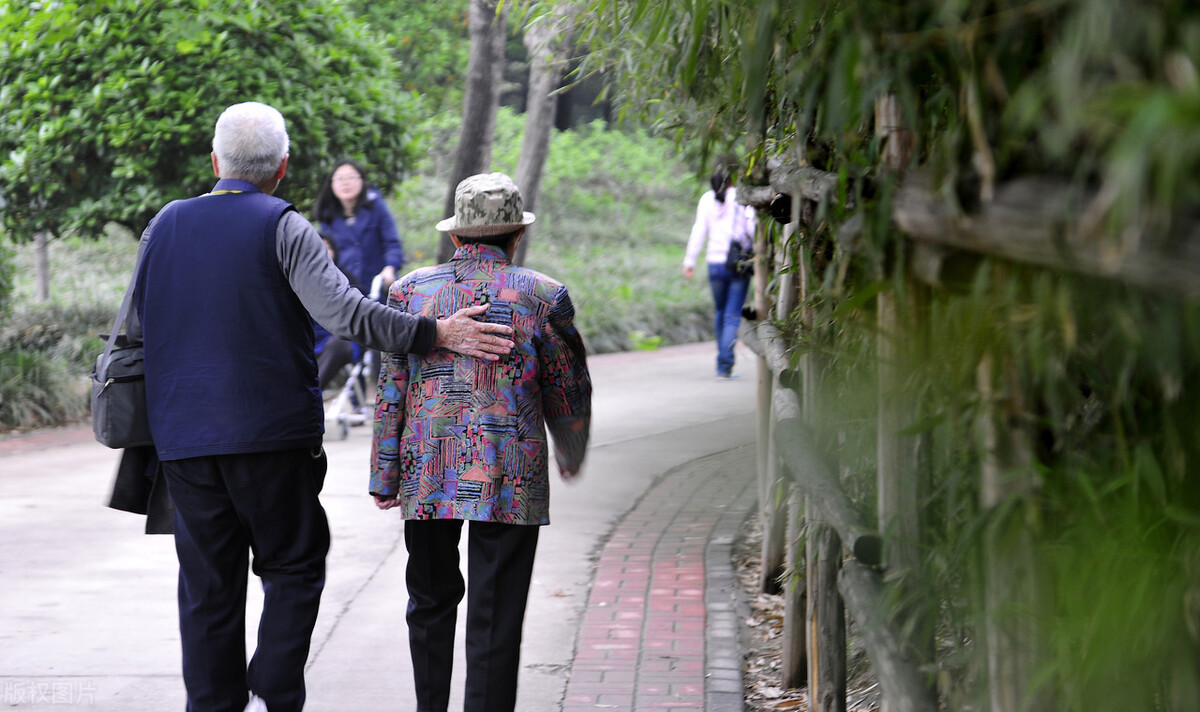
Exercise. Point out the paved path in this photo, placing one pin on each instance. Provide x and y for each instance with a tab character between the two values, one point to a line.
660	629
631	607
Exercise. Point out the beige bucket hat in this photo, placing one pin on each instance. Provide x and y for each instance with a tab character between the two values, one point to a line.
486	204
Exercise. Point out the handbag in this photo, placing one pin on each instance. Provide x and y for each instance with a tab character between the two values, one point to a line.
119	418
740	260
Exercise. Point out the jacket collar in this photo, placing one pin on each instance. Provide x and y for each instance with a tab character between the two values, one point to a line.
235	185
477	251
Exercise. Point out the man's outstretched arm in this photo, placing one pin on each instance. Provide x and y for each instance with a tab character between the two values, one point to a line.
344	311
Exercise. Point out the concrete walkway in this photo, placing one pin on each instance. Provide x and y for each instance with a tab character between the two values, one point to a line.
631	608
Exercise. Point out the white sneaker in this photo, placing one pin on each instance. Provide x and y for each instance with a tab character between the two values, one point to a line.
256	705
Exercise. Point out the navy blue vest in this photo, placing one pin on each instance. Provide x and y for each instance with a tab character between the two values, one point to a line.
229	347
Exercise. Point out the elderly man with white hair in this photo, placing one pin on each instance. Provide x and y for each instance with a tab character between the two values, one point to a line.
224	293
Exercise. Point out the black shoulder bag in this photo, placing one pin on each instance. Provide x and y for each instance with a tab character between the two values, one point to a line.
119	418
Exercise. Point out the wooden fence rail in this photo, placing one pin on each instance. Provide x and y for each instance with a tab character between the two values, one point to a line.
903	683
1040	221
1032	220
858	582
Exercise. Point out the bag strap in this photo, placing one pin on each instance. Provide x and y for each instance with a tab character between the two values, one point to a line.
124	313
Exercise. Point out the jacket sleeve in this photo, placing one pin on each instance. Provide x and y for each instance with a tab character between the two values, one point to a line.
327	295
699	232
565	383
390	412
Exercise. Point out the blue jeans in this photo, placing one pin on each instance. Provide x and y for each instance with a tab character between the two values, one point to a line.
729	293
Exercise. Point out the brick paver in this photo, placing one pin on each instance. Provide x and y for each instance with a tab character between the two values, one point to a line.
660	630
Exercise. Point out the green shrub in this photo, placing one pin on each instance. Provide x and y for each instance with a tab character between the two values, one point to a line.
1099	380
36	391
107	107
47	349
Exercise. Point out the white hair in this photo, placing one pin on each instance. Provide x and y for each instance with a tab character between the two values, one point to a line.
250	142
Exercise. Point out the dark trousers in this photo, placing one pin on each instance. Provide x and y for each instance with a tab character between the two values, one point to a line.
227	506
499	568
337	354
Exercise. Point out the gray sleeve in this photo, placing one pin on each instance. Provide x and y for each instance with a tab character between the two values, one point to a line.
334	304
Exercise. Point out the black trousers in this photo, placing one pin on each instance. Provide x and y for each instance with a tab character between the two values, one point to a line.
499	568
337	353
225	507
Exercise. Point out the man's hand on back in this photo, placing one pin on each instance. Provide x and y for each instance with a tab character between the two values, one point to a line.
462	334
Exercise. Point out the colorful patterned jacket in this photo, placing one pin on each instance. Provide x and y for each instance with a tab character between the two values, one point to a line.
463	438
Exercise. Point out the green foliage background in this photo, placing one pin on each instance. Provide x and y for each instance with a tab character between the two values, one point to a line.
1101	382
427	41
107	107
1101	92
612	225
613	219
1098	377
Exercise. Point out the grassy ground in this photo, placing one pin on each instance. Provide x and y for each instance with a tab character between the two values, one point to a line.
613	219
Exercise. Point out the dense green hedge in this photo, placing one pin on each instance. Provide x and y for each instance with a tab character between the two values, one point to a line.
1099	388
1096	382
107	107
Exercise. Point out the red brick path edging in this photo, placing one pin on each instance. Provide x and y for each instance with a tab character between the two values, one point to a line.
41	439
645	642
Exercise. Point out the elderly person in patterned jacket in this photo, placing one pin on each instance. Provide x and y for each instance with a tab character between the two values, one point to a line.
460	440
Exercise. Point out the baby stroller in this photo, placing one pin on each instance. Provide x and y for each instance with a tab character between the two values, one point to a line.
351	406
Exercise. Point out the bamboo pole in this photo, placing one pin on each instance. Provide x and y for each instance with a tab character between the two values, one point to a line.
773	492
897	468
898	475
1034	220
795	655
785	410
1011	585
765	374
819	483
826	620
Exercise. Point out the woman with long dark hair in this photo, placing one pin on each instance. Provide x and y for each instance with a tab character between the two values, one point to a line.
356	216
720	220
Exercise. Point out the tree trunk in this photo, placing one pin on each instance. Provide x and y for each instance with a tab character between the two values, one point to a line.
547	40
41	252
481	100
